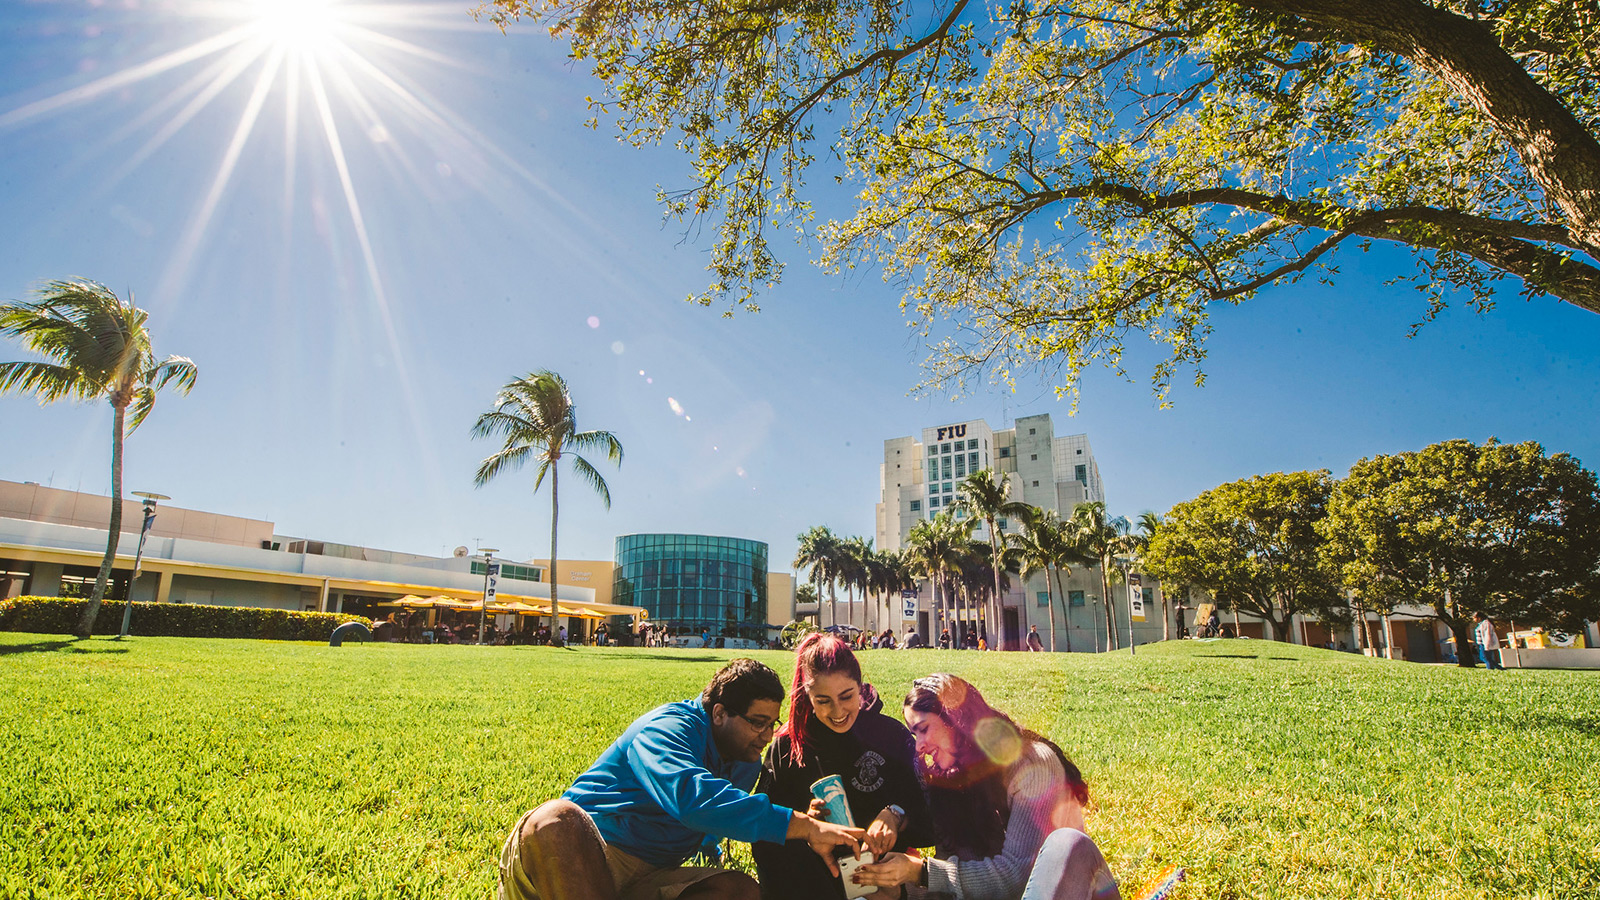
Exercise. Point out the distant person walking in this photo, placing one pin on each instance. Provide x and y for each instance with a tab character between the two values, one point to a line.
1035	643
1488	642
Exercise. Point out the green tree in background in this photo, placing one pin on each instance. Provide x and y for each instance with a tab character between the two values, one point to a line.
934	547
1500	529
822	552
986	496
1254	544
95	347
1101	541
1052	178
1045	548
535	419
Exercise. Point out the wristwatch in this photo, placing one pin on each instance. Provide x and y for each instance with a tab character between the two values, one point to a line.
898	810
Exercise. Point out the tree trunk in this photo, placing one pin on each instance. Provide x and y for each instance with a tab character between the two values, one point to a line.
1051	597
997	622
103	577
1560	152
1166	618
555	509
1111	610
1066	610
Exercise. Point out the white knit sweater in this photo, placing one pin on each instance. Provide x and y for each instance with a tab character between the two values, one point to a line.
1037	785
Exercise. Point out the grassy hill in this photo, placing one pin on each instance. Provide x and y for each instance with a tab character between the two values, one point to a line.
159	767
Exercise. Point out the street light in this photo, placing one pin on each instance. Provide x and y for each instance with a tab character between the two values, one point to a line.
491	573
138	555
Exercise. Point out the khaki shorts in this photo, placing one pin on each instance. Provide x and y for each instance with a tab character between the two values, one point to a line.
635	878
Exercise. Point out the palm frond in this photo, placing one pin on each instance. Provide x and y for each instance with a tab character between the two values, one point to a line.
50	382
598	440
592	475
495	463
144	400
179	371
499	423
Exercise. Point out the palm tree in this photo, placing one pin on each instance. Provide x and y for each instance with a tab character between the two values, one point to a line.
535	419
1102	540
1043	547
986	495
1149	523
933	547
96	346
820	552
853	557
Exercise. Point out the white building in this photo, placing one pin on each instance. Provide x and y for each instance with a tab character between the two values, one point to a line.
52	541
920	478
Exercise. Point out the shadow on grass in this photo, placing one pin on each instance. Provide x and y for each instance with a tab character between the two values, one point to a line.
1226	656
60	645
661	657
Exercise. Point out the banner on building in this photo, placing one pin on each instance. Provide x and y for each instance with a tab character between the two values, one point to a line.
491	583
908	608
1135	597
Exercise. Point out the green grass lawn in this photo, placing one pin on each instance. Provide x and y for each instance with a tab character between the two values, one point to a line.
171	767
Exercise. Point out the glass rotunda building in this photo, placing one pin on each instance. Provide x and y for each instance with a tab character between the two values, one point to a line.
694	582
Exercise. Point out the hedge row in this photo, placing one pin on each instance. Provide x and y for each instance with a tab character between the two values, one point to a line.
54	615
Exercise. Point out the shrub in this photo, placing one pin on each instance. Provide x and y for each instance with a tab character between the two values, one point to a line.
56	615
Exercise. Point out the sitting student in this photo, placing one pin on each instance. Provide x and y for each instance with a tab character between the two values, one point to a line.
1007	807
836	727
679	773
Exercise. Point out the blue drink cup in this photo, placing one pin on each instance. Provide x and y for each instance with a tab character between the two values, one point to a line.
830	790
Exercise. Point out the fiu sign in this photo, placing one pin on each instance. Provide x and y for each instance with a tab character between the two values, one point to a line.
952	431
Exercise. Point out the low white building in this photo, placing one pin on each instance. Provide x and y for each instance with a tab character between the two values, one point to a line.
52	541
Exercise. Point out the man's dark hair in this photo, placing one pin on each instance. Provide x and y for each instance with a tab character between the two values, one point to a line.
739	684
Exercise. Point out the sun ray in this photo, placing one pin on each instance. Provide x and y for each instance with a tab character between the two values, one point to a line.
238	60
400	360
130	75
178	268
394	43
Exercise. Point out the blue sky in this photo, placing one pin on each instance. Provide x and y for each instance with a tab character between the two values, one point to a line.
506	237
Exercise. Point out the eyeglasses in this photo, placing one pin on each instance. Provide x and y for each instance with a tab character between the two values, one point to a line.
760	726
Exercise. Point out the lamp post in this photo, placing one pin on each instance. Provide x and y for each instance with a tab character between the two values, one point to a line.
138	555
491	577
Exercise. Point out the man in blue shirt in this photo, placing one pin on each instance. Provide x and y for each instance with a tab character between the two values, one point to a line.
679	774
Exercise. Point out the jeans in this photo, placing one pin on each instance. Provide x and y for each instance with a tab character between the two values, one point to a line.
1491	658
1069	867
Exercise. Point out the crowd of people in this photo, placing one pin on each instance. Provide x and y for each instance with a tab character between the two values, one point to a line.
449	627
1001	806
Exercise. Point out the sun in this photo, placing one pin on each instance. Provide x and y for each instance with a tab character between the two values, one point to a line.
295	24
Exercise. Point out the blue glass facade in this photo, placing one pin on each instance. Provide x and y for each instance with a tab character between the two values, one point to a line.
691	582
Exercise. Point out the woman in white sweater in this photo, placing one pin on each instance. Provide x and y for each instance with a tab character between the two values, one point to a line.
1007	808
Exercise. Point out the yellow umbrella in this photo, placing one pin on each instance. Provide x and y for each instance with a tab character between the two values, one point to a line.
411	601
452	603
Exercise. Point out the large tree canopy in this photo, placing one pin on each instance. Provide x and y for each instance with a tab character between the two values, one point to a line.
1253	544
1500	529
1049	180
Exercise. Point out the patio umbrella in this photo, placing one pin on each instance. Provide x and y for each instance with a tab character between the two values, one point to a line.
411	601
443	602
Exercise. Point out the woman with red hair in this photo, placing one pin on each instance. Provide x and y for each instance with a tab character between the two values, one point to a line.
1007	807
836	726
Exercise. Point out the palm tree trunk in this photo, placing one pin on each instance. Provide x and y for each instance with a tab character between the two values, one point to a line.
90	611
1166	618
1066	609
555	510
1111	610
1050	595
833	601
997	640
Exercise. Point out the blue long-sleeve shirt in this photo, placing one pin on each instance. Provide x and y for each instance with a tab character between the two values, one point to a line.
663	786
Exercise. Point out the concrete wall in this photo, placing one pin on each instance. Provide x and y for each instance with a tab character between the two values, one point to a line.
35	503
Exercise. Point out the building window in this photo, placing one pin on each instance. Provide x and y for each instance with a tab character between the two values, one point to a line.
943	448
972	461
1074	598
1081	473
945	467
947	487
1035	484
1149	596
999	523
933	502
1044	598
1080	453
1030	431
1005	452
1033	457
916	506
960	446
961	466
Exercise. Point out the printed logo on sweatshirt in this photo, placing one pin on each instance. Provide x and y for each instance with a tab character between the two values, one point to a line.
867	778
